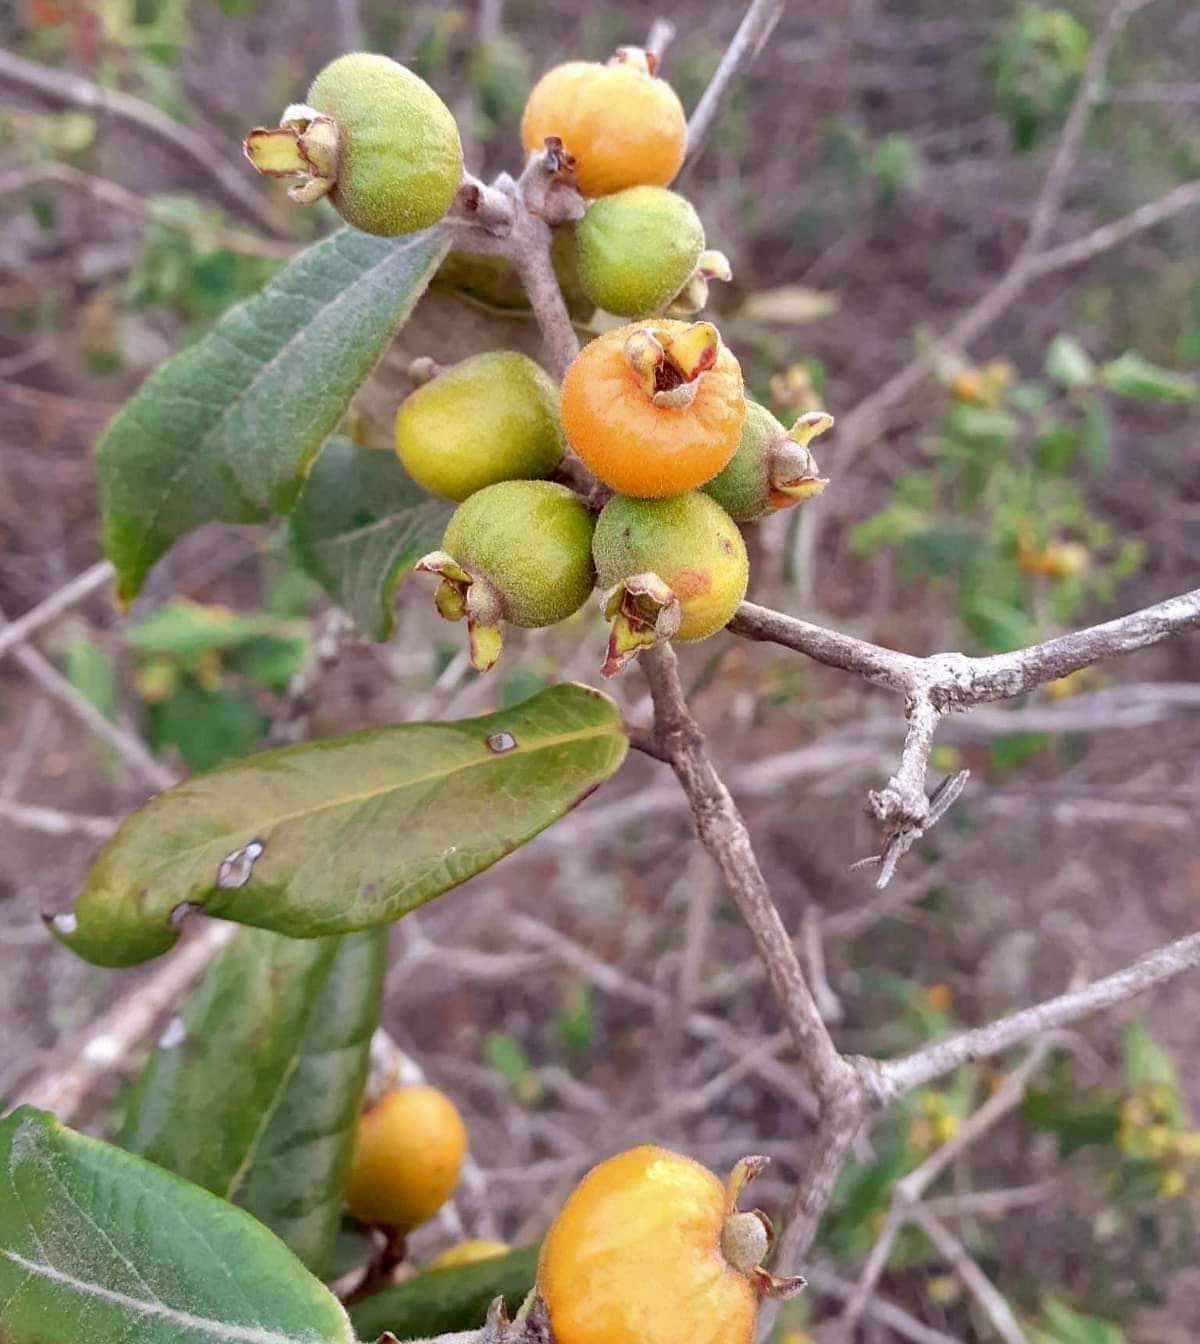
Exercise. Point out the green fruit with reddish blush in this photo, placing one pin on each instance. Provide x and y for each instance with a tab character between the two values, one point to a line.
492	418
671	568
518	551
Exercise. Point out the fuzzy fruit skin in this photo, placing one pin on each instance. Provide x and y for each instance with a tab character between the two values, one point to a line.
689	541
635	1254
400	158
635	446
625	128
743	486
407	1152
494	417
531	540
468	1253
637	249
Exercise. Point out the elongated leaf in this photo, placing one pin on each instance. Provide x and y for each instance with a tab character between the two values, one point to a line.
100	1246
254	1089
356	831
443	1300
360	525
225	430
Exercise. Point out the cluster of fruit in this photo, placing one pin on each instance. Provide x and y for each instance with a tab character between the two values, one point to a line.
650	1245
655	409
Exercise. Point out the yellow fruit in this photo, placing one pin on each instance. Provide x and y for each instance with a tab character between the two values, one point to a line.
407	1152
467	1253
624	127
650	1249
493	417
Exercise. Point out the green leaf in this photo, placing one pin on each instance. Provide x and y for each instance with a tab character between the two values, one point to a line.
360	526
90	671
1069	1327
982	426
1133	376
1146	1062
1068	363
254	1090
1096	435
209	728
225	430
102	1246
507	1056
185	629
1055	447
333	836
443	1300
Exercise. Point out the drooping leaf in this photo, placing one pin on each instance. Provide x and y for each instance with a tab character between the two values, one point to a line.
1132	376
360	526
102	1246
1068	363
333	836
225	430
254	1089
1065	1326
443	1300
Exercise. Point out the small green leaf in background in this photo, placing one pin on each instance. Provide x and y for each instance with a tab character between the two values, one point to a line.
444	1300
1055	447
508	1057
226	429
1132	376
1065	1326
360	526
344	834
100	1246
1096	435
575	1018
1013	750
255	1088
1146	1062
1068	363
208	728
982	426
90	671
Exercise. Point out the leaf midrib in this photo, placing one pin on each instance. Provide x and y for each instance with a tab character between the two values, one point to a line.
347	800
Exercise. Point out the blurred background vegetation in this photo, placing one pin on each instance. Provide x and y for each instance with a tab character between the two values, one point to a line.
871	180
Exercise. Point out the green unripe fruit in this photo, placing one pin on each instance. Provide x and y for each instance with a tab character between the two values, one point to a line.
518	551
637	250
676	568
494	417
772	468
399	156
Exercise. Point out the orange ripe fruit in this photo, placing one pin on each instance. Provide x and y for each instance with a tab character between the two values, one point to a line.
654	408
625	127
407	1152
636	1254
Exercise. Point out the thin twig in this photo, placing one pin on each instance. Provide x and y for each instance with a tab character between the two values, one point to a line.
83	585
756	26
976	1282
217	161
902	1075
50	821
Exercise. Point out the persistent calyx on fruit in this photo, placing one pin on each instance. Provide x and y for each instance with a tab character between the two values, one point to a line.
638	249
668	569
372	136
518	551
654	408
650	1246
493	417
624	126
408	1148
773	467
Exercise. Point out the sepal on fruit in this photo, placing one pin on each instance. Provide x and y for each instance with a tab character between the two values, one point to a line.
462	594
693	297
747	1238
793	472
304	145
642	611
637	57
668	365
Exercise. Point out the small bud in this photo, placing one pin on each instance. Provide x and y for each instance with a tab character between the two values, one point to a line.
714	265
643	611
